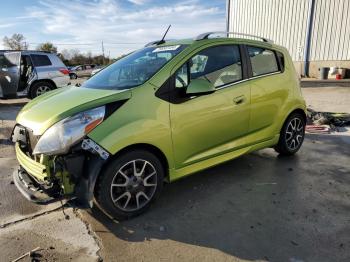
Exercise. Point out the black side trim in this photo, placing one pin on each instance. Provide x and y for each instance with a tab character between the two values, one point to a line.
112	107
247	63
84	190
169	93
280	60
164	91
74	164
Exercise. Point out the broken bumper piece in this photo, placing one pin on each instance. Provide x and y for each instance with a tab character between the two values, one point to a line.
45	179
32	190
94	148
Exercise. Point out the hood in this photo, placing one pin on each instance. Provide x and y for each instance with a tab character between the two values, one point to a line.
46	110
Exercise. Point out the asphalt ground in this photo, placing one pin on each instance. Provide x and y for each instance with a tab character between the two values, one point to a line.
259	207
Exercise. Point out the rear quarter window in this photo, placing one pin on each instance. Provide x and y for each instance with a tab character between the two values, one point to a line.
41	60
263	60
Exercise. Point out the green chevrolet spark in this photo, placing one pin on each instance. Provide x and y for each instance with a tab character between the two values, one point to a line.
163	112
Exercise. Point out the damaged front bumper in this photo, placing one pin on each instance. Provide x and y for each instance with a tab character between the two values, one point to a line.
32	190
45	179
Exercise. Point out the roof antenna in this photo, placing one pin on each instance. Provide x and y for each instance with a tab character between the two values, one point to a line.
162	41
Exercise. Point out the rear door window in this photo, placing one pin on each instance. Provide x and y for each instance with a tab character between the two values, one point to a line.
41	60
263	60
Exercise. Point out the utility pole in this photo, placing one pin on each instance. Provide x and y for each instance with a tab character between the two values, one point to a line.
103	53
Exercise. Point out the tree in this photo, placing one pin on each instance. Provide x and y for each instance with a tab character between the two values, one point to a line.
16	42
72	57
48	47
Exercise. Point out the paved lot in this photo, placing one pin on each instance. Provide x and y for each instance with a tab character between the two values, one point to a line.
24	225
328	99
257	207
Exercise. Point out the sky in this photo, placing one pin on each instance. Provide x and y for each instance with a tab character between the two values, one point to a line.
123	25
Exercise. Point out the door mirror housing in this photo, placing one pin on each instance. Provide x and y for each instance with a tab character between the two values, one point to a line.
200	87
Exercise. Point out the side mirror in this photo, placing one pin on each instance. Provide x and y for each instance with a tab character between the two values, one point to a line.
200	87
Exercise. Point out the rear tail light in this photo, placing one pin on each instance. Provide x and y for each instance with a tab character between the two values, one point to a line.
64	71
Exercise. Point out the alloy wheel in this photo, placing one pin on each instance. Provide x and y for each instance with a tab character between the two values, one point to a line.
42	89
134	185
294	133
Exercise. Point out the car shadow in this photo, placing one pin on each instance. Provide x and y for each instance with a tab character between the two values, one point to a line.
259	206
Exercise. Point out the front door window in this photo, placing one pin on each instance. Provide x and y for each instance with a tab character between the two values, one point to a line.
220	65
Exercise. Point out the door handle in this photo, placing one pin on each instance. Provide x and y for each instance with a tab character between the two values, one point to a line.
239	100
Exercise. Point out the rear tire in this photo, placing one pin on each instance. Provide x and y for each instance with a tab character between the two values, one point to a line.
40	88
292	135
129	184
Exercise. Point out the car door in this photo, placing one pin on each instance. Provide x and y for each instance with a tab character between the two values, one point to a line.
268	92
9	73
28	73
209	125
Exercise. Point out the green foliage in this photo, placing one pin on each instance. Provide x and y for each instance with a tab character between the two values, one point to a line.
74	57
48	47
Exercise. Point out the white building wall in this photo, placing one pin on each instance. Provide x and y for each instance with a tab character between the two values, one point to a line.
285	22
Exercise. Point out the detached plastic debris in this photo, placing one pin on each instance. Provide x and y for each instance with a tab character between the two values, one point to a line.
319	129
325	122
328	118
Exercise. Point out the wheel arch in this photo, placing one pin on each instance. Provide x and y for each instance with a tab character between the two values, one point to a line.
148	147
41	80
295	110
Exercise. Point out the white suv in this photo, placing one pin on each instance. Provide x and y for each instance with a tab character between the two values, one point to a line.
30	73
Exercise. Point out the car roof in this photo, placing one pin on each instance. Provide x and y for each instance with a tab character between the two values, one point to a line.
26	51
217	36
216	40
192	41
233	40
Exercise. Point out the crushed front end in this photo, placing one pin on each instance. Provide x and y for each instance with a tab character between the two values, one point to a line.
45	178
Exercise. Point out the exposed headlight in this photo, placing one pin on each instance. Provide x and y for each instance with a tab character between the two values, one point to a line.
67	132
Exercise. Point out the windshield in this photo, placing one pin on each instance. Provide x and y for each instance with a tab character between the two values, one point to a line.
134	69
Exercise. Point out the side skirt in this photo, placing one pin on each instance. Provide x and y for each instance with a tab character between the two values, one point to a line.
175	174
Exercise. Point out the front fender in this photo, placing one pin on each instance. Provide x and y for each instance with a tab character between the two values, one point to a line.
145	131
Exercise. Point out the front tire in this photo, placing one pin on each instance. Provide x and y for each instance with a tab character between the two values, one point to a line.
292	135
129	184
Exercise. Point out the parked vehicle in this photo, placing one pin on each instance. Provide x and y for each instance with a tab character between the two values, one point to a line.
30	73
161	113
81	71
96	70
